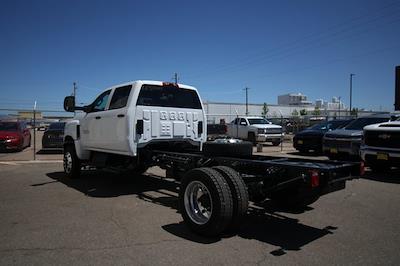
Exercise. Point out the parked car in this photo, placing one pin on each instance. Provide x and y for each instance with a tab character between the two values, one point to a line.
345	143
311	138
14	135
255	129
381	145
53	137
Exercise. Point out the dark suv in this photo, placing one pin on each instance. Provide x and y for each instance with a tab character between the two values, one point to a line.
311	137
53	137
345	143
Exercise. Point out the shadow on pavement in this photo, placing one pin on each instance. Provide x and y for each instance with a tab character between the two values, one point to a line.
390	176
262	223
307	154
53	151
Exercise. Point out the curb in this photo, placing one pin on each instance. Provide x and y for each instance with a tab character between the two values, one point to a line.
29	162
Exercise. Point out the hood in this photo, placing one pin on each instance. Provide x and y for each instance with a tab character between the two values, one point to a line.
265	126
8	134
54	130
310	132
344	133
387	126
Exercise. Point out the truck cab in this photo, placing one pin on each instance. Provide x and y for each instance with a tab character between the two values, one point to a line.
129	117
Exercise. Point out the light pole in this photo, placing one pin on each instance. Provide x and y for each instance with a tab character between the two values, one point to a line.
247	100
339	106
351	90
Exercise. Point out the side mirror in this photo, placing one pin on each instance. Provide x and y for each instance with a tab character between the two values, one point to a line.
87	108
69	103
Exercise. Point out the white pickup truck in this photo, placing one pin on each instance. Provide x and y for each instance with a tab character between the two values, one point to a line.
255	129
126	118
381	145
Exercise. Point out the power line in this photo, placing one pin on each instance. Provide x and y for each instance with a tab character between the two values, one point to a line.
292	47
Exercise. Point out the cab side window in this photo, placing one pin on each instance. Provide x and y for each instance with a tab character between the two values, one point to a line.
101	102
243	122
120	97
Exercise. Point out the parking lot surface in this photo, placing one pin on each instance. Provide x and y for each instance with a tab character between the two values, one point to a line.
108	218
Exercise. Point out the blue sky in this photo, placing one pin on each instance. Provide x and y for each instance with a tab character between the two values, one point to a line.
272	47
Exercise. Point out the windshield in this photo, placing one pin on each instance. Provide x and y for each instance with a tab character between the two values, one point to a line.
360	123
57	125
258	121
330	125
8	126
168	96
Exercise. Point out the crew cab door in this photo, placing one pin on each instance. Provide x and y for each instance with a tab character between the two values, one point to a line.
92	127
243	128
114	122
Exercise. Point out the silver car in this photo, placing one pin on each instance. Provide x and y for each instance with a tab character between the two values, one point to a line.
345	143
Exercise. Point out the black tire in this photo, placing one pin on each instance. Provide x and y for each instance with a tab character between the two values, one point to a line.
239	150
240	195
71	162
276	143
218	193
252	138
295	198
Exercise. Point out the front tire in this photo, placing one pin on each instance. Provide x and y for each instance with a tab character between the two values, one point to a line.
71	162
276	142
252	138
205	201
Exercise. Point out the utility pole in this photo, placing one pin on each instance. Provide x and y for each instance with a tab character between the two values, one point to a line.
351	90
247	100
176	78
74	96
34	131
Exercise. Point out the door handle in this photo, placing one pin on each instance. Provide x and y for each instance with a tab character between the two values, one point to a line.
121	115
98	117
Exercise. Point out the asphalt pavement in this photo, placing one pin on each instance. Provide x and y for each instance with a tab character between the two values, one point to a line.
106	218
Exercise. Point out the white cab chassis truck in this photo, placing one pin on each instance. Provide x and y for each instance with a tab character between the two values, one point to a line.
141	124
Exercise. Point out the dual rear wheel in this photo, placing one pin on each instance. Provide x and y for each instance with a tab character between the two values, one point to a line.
213	200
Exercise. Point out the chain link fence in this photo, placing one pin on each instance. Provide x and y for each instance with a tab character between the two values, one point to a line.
31	127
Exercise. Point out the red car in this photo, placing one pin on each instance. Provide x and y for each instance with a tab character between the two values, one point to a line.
14	135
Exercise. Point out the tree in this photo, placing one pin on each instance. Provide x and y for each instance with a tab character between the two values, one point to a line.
303	112
354	112
265	110
295	113
316	111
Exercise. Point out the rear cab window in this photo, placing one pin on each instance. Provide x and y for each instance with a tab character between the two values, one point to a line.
168	96
120	97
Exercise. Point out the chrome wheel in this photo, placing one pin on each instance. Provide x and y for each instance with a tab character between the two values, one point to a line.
67	162
198	202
